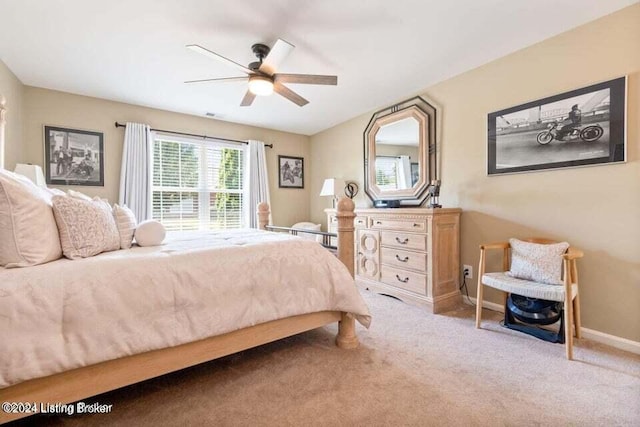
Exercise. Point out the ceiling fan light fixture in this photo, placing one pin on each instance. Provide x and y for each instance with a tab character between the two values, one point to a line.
260	85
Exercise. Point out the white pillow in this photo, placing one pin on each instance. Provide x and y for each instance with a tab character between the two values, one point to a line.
308	226
55	191
86	228
79	195
126	222
150	233
537	262
28	232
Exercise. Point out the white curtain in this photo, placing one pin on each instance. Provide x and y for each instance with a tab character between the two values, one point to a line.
135	174
258	180
3	121
404	172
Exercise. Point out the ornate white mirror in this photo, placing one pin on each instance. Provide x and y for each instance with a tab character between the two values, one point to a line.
400	154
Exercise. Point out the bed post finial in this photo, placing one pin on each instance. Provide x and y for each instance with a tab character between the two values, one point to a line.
345	215
263	215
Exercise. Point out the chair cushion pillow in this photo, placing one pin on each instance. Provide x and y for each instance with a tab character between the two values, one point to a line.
28	232
537	262
150	233
86	227
126	222
527	288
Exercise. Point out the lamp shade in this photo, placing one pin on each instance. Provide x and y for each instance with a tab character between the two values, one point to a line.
332	187
33	172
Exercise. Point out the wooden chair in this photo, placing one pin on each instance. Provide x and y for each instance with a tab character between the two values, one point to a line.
567	293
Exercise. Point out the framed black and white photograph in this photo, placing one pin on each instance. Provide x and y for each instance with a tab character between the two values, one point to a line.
73	157
582	127
291	172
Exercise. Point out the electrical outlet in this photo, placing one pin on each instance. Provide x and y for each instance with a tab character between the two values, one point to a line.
467	271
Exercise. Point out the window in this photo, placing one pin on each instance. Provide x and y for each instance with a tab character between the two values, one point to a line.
198	185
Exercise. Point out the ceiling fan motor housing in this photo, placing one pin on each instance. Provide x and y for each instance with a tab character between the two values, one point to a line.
260	51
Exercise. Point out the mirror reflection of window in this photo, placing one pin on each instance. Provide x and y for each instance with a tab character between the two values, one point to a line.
396	145
393	173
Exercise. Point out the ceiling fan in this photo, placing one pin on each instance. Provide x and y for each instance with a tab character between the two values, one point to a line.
261	75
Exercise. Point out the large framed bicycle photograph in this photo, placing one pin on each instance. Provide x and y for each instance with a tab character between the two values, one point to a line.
586	126
73	157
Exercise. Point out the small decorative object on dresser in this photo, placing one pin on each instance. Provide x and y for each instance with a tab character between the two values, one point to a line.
410	253
291	172
73	157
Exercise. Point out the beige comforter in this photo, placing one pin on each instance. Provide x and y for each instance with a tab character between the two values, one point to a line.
67	314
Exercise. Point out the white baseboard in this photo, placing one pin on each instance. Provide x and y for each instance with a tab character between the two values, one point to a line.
592	334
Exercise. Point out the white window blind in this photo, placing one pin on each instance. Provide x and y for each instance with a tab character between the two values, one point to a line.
198	185
387	173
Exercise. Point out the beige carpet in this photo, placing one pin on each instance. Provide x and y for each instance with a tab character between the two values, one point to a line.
412	368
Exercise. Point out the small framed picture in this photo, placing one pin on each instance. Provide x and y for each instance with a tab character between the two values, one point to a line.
73	157
291	172
582	127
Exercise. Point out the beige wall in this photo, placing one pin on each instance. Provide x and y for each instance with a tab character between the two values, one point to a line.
42	106
12	90
595	208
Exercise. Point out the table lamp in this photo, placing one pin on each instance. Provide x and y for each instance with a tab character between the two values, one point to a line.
332	187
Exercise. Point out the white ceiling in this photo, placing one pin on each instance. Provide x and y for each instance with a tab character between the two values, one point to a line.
382	51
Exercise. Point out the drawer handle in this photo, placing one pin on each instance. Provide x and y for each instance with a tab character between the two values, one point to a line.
402	242
402	260
405	280
415	224
378	222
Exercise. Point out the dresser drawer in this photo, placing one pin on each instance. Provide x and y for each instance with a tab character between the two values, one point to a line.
404	259
402	240
415	225
410	281
358	222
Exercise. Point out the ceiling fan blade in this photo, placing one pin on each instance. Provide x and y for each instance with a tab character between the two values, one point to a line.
248	99
309	79
289	94
223	79
206	52
280	50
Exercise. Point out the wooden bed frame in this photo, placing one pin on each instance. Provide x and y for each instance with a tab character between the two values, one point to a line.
80	383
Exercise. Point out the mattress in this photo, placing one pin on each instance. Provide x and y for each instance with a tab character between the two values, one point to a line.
68	314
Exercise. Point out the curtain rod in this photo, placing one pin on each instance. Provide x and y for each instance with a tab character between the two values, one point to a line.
120	125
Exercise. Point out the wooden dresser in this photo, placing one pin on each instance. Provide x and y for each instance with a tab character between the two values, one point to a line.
409	253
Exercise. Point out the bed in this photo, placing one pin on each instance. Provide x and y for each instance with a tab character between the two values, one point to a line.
74	329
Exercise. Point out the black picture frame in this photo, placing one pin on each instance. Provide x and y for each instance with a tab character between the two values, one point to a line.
290	172
525	137
73	157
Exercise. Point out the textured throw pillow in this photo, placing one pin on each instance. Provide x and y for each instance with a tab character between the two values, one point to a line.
150	233
86	228
28	232
126	222
537	262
